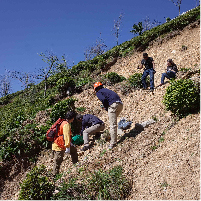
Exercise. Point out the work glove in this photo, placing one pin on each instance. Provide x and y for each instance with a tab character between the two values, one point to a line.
67	150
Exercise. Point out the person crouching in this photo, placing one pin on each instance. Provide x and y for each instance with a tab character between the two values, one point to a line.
90	125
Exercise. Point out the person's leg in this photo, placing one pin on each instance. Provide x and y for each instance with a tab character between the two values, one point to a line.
164	75
171	74
119	108
113	111
144	75
92	130
74	155
58	158
151	74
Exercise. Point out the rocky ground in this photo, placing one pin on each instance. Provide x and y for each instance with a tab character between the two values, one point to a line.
163	161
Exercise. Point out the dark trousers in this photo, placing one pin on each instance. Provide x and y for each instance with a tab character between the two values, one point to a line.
147	72
58	158
167	75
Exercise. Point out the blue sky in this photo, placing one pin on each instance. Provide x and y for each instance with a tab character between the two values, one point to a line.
29	27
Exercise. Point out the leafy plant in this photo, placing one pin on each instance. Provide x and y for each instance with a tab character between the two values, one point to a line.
135	80
182	97
80	109
184	69
111	185
114	77
97	185
36	185
64	83
60	109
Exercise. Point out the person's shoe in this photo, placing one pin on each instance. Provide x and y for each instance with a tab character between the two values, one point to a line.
144	88
151	90
85	148
160	84
111	146
97	136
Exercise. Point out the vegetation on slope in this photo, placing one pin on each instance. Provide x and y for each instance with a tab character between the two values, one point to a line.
20	134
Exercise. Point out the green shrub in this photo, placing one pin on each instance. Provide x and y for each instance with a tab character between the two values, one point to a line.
135	80
25	141
80	109
81	81
185	70
60	109
36	185
182	97
114	77
97	185
64	83
111	185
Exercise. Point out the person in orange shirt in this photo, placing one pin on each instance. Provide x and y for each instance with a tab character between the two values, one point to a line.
62	142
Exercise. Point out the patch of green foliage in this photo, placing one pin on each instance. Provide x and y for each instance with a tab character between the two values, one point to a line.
184	70
60	109
97	185
25	141
135	80
182	97
36	185
80	109
64	83
114	78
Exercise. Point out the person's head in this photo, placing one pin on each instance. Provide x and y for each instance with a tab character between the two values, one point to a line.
170	62
145	56
98	86
70	115
79	117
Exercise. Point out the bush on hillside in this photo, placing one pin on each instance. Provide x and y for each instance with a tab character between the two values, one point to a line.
36	185
24	142
63	85
135	80
97	185
112	78
61	108
182	97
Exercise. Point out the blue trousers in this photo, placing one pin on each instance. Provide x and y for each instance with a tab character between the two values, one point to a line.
167	75
147	72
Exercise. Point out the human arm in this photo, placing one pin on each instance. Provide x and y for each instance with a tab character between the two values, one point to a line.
67	135
84	124
104	100
140	66
153	65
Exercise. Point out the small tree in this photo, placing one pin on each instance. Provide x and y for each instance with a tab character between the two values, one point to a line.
177	3
144	26
116	28
26	79
54	66
137	28
96	50
5	86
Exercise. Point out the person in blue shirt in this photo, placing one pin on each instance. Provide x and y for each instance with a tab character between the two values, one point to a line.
113	105
170	72
149	69
90	125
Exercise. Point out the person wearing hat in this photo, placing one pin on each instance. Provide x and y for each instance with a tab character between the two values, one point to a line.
170	72
90	125
113	104
149	69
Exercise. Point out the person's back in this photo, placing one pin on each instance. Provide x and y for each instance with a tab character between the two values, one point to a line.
113	104
107	97
89	120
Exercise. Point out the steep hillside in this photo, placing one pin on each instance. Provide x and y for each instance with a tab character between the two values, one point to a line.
163	161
